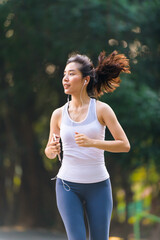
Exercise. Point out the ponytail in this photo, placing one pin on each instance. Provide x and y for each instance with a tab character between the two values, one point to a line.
107	72
105	77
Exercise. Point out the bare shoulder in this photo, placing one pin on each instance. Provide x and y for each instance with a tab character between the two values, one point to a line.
57	116
57	112
103	106
104	112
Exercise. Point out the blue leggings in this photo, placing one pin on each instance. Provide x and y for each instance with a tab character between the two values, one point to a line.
95	198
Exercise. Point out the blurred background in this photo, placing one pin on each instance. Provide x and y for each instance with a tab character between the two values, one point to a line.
36	37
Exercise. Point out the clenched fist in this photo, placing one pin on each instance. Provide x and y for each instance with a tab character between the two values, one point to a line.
82	140
53	148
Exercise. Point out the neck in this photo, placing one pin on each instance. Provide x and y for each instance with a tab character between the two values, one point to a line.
79	101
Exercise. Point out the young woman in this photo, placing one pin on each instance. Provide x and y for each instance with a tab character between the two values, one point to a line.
83	182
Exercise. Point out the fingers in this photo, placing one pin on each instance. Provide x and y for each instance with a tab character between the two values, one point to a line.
80	139
78	135
54	144
54	148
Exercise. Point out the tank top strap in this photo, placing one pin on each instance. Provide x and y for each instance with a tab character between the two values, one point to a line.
92	113
64	109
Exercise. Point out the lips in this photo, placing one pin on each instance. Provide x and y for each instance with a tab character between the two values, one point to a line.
66	86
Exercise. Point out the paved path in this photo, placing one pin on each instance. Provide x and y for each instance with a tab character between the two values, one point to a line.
9	234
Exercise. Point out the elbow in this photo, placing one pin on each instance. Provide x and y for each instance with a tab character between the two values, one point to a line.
127	147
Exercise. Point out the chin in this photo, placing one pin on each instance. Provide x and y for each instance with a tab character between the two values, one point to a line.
67	92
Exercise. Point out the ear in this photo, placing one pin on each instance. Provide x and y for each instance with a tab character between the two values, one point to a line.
87	79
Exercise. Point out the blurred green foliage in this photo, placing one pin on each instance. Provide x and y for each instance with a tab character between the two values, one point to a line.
36	38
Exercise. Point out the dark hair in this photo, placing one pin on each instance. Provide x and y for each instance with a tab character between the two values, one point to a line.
105	77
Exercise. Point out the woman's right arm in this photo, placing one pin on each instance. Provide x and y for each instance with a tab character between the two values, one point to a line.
53	146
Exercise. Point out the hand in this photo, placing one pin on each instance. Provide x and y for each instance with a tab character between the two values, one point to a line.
53	148
82	140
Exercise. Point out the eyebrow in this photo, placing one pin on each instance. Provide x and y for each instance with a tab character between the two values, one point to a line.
71	70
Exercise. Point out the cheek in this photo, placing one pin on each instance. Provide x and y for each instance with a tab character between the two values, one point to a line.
77	81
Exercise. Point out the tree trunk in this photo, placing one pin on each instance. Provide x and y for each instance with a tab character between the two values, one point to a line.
35	193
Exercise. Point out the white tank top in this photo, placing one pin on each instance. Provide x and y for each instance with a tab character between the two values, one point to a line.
82	164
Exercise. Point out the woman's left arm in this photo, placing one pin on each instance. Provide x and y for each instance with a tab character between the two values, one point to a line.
108	118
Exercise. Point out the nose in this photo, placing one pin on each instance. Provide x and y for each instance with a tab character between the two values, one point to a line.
65	78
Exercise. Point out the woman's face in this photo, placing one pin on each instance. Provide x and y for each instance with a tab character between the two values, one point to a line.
73	80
